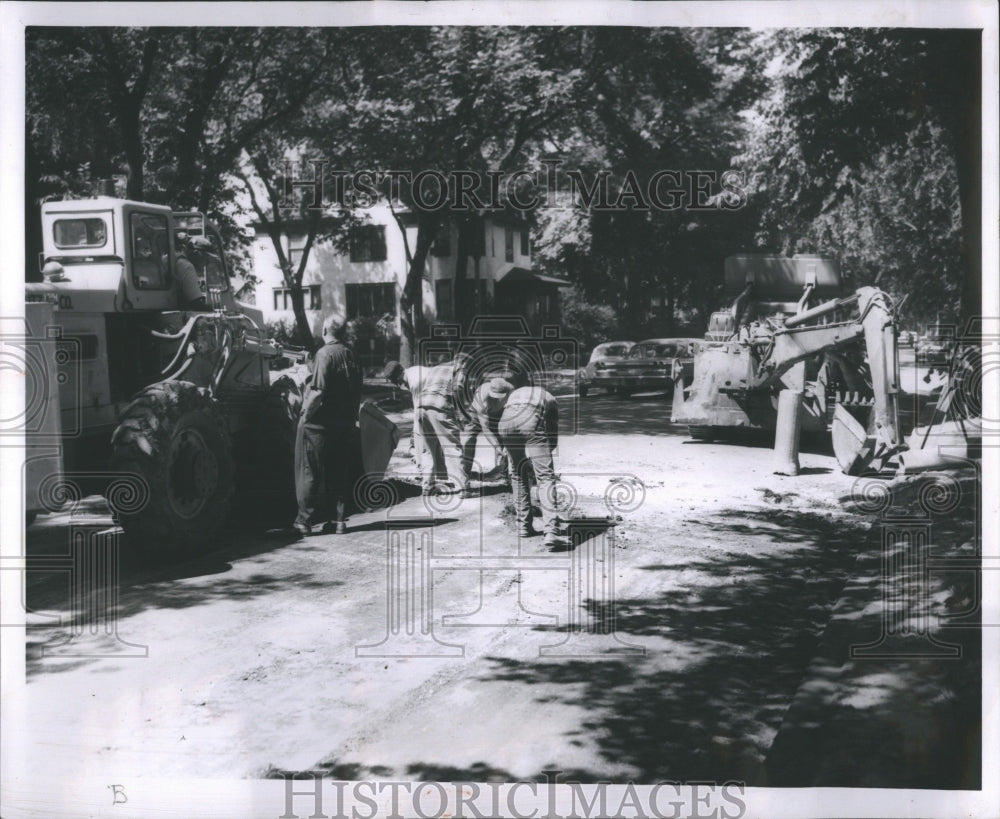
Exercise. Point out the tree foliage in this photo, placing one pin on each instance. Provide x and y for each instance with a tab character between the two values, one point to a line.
865	147
858	143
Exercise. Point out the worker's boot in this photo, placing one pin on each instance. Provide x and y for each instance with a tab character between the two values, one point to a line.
556	542
557	535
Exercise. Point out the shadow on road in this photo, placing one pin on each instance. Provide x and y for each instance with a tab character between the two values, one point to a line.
894	697
730	643
744	674
647	414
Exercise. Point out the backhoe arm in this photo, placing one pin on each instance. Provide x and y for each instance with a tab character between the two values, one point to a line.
874	321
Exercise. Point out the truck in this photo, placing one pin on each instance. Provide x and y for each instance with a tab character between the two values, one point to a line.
175	397
793	324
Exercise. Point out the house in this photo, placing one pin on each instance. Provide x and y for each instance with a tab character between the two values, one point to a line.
365	282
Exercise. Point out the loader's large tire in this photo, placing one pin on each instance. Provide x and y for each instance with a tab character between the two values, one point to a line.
175	437
272	459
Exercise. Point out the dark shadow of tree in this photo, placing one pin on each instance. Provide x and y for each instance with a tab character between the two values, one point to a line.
737	643
728	657
899	711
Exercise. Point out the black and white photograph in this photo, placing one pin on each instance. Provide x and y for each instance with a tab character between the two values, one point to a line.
464	409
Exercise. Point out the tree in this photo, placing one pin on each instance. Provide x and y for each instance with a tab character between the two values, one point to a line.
588	322
447	100
185	104
666	100
847	105
272	219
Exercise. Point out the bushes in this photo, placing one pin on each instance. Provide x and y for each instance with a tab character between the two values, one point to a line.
282	331
589	323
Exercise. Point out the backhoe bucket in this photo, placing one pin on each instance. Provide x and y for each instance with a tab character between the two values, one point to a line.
852	445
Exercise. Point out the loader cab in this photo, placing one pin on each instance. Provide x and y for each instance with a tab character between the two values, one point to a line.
113	255
108	255
210	262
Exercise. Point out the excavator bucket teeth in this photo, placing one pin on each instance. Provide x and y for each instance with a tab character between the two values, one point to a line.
852	445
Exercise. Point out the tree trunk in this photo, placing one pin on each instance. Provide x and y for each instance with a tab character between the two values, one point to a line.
134	154
303	332
968	168
669	306
411	301
633	305
298	302
461	282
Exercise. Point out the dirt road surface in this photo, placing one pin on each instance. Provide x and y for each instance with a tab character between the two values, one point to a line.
670	645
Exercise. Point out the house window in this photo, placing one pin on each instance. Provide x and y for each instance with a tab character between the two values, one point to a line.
442	243
525	246
370	300
312	295
442	296
368	243
508	244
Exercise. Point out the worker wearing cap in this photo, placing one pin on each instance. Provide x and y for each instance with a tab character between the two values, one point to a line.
485	410
190	286
323	443
434	417
529	430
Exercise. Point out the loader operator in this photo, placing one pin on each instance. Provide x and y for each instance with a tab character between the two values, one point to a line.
190	285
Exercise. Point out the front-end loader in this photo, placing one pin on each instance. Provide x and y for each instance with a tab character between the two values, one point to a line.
178	396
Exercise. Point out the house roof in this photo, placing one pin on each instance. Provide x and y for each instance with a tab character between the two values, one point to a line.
511	273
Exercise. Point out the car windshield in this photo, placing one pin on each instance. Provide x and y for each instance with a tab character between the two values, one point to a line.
657	350
611	351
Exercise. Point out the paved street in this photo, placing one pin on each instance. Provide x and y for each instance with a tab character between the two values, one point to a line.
673	644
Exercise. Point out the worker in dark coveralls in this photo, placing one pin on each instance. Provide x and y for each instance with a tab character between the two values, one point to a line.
327	426
529	430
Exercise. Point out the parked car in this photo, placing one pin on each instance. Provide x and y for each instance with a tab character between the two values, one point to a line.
932	350
650	366
594	375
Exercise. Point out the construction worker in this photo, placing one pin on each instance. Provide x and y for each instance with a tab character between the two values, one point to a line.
485	410
434	417
190	285
529	430
325	435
